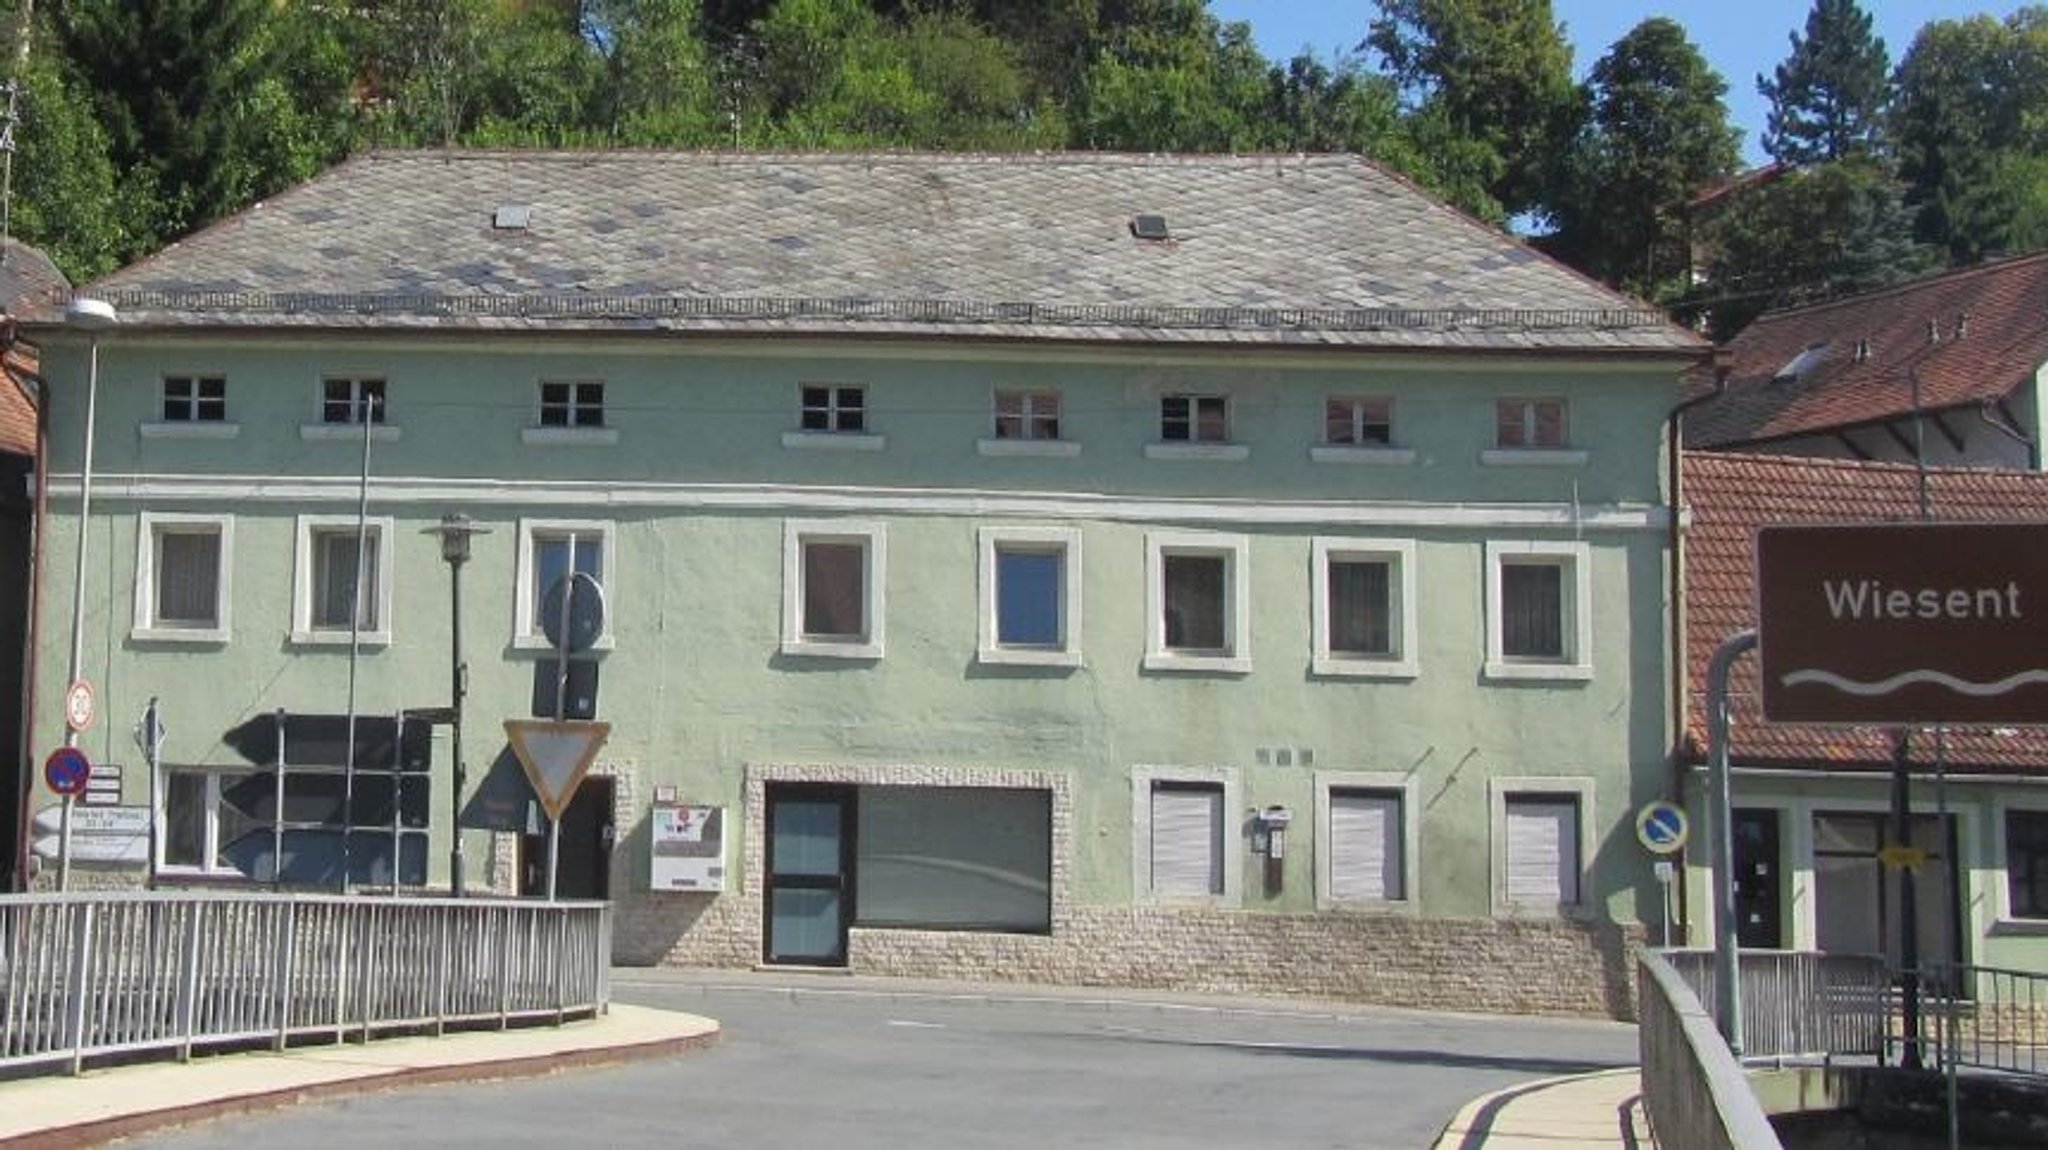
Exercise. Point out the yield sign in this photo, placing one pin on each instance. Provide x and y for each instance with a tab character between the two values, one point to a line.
556	755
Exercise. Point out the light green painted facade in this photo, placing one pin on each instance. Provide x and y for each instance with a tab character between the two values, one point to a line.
697	489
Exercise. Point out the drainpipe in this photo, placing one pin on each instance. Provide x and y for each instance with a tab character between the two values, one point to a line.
1675	547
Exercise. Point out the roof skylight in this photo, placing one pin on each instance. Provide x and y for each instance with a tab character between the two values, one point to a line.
1799	365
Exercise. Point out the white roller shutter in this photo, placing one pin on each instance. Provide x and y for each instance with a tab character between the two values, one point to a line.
1187	839
1365	846
1543	851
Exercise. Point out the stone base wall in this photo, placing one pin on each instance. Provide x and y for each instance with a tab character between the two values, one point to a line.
1514	966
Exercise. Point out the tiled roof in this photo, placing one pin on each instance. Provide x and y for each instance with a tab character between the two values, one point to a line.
28	279
1971	336
1295	250
17	414
1730	496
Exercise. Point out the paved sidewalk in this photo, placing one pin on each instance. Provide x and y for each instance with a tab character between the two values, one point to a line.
1594	1111
61	1111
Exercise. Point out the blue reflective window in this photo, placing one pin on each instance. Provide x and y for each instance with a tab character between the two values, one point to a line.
1028	598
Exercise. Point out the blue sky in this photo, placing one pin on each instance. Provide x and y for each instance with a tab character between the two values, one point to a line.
1740	38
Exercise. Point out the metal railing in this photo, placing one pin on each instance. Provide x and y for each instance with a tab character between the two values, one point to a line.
1799	1003
1696	1093
87	976
1999	1021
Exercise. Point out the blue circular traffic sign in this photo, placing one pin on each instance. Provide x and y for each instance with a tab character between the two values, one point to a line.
1662	827
67	770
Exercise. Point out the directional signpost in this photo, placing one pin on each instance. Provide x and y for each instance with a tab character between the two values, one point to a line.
316	820
99	834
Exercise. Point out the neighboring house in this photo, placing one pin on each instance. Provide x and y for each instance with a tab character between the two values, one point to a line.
1966	350
27	280
1703	213
1811	802
994	541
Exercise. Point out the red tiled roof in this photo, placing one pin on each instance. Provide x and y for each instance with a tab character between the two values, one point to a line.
17	414
1971	336
1730	496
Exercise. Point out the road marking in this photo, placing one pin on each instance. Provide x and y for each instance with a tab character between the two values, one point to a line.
917	1025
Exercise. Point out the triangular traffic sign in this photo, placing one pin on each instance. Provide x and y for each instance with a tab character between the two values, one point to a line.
556	755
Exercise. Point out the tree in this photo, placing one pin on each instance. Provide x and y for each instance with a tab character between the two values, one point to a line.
661	85
1970	126
1657	132
1827	97
1495	72
1176	81
70	201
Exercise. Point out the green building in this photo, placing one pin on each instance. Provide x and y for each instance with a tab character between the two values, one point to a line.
1242	573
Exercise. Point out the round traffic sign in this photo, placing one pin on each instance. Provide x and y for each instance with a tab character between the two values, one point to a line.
1662	827
572	612
67	770
78	705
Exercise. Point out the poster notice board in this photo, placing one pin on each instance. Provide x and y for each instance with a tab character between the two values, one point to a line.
689	848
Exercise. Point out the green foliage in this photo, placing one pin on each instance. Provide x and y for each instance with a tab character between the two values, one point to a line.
1179	81
1658	132
69	199
1828	96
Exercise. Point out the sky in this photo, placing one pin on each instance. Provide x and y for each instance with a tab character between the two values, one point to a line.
1740	38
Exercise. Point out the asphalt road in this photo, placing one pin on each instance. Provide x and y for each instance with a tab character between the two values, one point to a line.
832	1061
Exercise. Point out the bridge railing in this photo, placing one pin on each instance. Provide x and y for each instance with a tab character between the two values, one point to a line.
1800	1002
92	976
1696	1093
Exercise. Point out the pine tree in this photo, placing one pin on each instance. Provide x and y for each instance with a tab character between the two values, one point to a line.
1828	96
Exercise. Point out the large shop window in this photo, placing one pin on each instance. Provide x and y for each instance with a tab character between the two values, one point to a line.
954	858
2026	863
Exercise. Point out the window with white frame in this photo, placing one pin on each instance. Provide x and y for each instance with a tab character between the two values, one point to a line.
1030	596
181	577
1539	617
1358	421
352	400
336	556
1540	828
1363	607
832	589
195	399
1197	602
837	407
1367	845
566	403
196	824
1529	423
549	549
1027	414
2026	863
1194	419
1186	848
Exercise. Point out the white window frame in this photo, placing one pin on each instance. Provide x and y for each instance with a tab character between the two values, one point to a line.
211	844
1405	663
318	430
1067	543
1404	786
1235	551
874	543
1232	862
1561	454
1057	447
2005	921
148	525
526	635
832	438
1577	561
1562	788
383	529
165	428
1225	450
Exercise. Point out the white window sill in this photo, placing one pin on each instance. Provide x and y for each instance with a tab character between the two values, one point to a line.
1553	672
1343	667
2020	927
1042	448
605	642
1208	452
190	429
1215	664
1532	457
1383	456
1028	657
569	436
825	649
190	635
339	638
833	441
347	432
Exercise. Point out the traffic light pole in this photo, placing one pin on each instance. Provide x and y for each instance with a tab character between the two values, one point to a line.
561	701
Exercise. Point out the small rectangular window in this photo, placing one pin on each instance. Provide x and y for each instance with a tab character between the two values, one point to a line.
1027	415
835	592
2026	863
1187	839
338	565
833	577
834	408
1542	844
195	399
1194	419
1357	422
1533	611
549	549
1529	423
1197	605
351	400
571	404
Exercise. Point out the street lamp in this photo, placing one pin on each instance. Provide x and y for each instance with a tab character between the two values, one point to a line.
455	532
91	316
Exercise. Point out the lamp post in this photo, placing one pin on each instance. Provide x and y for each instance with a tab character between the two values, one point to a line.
455	532
91	316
